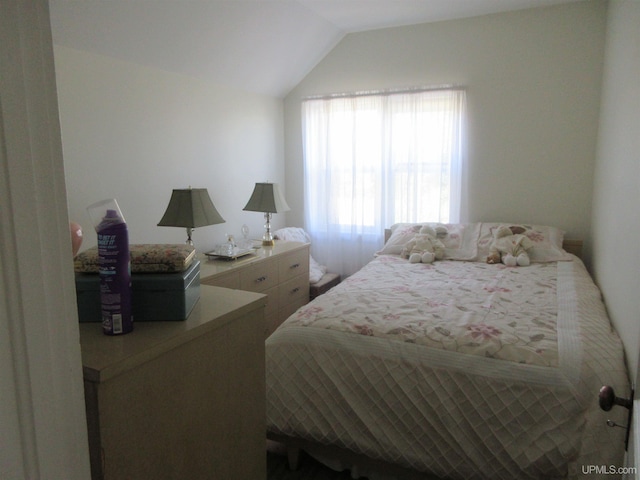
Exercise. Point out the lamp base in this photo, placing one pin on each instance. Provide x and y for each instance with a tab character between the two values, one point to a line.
267	238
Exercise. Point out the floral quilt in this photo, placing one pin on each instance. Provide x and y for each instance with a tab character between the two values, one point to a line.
459	369
494	311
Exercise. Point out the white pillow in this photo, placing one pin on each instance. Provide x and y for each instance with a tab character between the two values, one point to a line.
401	233
547	242
460	241
292	234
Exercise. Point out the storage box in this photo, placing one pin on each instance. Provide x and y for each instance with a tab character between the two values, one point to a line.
155	296
145	258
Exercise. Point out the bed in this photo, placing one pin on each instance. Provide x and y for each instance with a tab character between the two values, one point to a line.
457	369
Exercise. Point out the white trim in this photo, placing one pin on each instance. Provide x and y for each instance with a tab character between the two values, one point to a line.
41	388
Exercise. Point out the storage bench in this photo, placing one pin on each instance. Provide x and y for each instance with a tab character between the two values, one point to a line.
328	281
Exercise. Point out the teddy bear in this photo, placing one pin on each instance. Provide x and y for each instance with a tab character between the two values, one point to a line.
424	247
510	246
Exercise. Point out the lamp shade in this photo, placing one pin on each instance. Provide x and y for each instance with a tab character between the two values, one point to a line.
190	208
266	197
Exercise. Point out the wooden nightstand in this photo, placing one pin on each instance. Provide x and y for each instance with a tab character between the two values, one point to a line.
281	272
175	400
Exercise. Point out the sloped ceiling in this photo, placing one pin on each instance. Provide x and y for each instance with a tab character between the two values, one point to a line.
262	46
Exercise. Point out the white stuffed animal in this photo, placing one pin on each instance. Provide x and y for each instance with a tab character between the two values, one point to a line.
510	246
424	247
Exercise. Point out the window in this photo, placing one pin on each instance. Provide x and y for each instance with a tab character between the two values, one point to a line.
373	160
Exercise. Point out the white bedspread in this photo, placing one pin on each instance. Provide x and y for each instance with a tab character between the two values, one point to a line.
460	369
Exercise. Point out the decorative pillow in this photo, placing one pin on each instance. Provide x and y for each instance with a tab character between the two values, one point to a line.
145	258
401	233
547	242
460	241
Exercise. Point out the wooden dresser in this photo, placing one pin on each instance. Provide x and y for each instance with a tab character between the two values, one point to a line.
281	272
179	400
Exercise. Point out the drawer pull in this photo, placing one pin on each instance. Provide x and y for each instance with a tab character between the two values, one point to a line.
295	290
295	265
261	279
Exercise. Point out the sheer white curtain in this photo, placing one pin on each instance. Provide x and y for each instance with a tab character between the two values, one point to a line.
372	160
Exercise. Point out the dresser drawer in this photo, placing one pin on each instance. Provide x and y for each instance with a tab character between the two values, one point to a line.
271	322
273	301
281	272
293	264
290	309
294	290
260	276
225	280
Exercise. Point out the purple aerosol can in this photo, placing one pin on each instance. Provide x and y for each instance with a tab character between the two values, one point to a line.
115	267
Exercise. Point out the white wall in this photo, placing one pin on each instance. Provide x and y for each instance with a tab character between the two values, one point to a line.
135	133
616	205
533	80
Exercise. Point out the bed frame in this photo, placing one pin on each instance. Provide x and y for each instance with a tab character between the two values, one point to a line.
364	465
573	246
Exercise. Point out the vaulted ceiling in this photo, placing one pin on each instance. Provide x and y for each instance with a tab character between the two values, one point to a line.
262	46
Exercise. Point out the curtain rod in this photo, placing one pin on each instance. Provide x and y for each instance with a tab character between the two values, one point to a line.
388	91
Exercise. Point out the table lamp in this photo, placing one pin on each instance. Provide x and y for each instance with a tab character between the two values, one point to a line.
190	208
266	198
